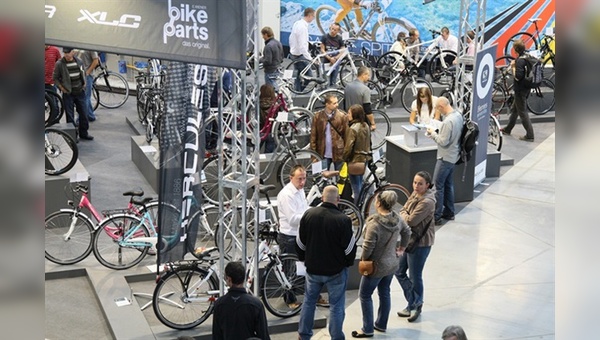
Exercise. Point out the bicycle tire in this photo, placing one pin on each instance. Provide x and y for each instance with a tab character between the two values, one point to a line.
388	65
549	67
309	84
347	74
408	91
106	247
352	211
141	102
499	98
527	39
435	69
494	133
303	157
50	110
210	188
325	16
60	106
114	89
448	94
202	229
383	129
318	103
402	192
376	94
388	30
274	294
233	233
95	98
541	99
300	132
61	152
150	122
79	244
184	311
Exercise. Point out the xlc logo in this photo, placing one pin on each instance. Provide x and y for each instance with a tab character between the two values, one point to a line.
126	20
50	10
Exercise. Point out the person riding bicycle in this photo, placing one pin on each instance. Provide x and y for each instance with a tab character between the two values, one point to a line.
349	5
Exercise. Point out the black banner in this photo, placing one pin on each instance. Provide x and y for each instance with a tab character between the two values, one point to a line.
209	32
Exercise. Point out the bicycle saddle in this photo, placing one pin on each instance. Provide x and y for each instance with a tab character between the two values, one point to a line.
534	19
264	189
134	193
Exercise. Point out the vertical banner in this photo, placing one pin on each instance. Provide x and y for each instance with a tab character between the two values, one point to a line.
483	76
181	158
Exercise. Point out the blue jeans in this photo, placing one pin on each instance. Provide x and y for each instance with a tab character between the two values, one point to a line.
412	284
356	182
365	293
271	79
89	82
333	76
298	84
336	286
78	101
443	177
336	165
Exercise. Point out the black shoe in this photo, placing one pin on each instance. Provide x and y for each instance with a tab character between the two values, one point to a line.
525	138
405	313
90	119
448	217
356	334
86	137
504	132
414	314
439	221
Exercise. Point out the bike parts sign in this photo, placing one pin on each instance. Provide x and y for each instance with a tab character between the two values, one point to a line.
209	32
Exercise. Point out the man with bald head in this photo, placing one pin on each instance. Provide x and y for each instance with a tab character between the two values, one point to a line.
447	138
326	244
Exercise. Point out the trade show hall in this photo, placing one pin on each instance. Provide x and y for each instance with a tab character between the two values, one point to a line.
491	270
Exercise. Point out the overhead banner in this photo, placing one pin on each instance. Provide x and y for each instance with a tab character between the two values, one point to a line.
482	105
208	32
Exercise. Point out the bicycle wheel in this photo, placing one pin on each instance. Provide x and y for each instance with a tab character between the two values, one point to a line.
151	121
388	29
233	233
60	152
448	95
318	103
50	110
541	99
549	67
388	66
494	134
95	98
303	157
202	229
528	40
347	73
376	94
59	105
307	82
184	298
499	98
298	132
210	188
354	213
401	191
141	102
409	91
276	294
325	16
436	68
113	88
383	129
114	241
61	249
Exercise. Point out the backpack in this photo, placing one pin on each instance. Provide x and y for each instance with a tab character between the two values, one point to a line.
533	72
467	142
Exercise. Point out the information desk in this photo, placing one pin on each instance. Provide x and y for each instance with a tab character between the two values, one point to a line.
406	161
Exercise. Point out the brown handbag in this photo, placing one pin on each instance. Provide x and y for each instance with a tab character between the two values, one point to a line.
356	168
366	268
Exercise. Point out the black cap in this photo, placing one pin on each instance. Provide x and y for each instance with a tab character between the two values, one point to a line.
67	49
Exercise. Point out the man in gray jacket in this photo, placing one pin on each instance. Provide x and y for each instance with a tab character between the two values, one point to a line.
272	56
447	139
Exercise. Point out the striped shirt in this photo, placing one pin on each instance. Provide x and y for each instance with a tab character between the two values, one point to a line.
74	73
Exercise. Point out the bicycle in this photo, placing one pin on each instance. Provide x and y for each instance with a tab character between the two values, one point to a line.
54	107
113	88
186	291
390	73
287	153
538	42
540	100
60	152
384	29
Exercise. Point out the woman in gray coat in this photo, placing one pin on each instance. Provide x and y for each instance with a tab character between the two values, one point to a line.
380	243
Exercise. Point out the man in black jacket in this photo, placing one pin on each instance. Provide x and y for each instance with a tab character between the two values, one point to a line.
238	315
326	244
272	56
519	107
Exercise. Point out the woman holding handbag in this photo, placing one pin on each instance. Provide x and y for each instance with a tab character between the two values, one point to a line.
379	246
418	213
357	147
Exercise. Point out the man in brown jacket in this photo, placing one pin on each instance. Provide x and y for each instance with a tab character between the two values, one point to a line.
327	133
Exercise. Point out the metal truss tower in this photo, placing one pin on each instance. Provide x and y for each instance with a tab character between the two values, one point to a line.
464	78
239	169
